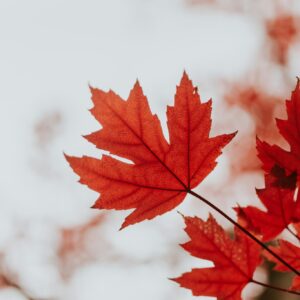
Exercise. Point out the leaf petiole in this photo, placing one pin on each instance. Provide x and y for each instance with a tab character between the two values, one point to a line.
274	287
293	233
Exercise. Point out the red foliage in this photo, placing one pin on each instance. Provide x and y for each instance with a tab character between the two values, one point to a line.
272	155
291	254
246	222
234	260
283	31
281	210
262	108
162	173
72	249
282	167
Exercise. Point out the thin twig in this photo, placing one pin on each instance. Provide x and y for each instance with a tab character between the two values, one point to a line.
293	233
275	288
249	234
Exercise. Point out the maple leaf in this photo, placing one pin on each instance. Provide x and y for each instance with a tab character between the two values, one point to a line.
161	173
272	155
234	260
282	210
291	254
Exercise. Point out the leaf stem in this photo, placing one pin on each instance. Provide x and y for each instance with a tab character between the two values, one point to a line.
275	287
249	234
293	233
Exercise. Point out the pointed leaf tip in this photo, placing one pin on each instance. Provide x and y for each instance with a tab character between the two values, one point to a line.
68	157
137	83
181	214
136	89
233	134
185	77
91	88
174	279
124	225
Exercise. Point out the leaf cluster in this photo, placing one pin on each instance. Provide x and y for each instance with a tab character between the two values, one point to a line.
161	173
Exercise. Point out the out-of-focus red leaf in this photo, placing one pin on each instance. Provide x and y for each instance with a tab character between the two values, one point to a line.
262	108
72	250
283	31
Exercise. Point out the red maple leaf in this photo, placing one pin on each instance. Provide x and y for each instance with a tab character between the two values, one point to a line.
272	155
290	253
234	260
282	210
161	173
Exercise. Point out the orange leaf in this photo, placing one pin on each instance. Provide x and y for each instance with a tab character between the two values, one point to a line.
161	173
234	260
